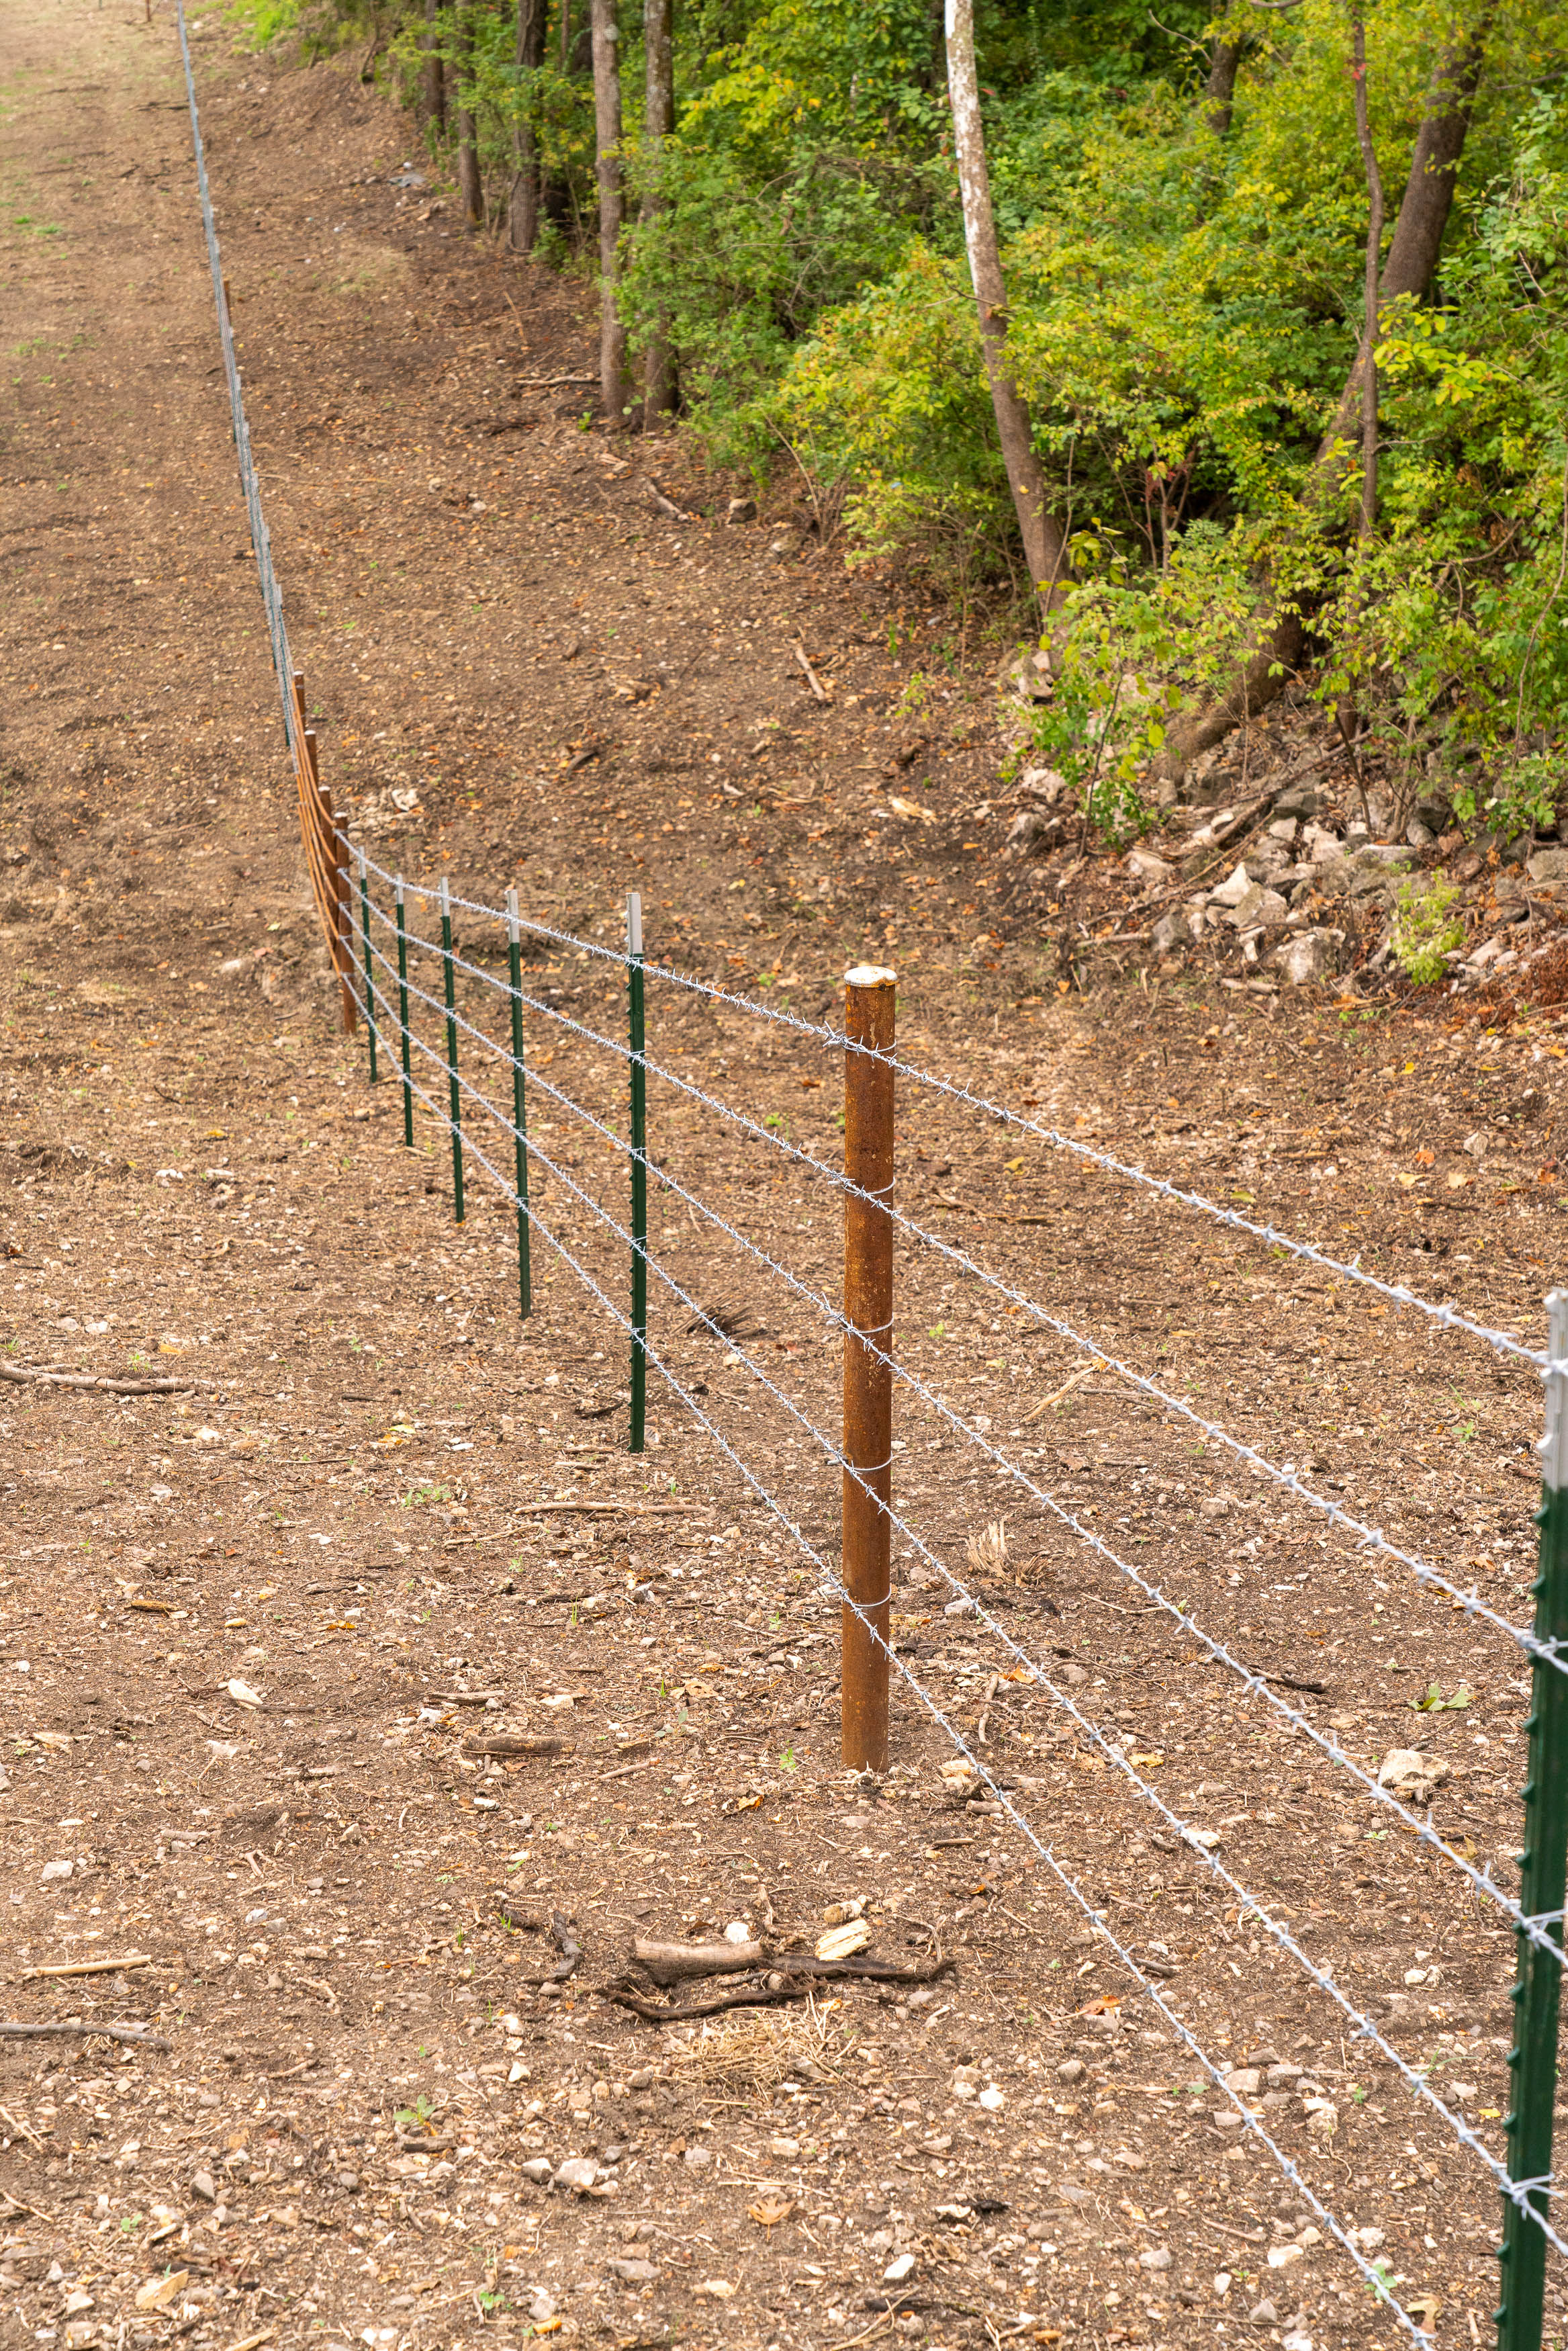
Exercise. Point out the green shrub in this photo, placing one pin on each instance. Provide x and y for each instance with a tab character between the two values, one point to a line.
1426	932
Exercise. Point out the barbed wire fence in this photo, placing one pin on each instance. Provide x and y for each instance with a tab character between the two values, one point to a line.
484	1019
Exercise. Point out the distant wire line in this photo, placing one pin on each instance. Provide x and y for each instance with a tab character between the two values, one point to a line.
1447	1317
1369	1538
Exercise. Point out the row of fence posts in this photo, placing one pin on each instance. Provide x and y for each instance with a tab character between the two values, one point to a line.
867	1444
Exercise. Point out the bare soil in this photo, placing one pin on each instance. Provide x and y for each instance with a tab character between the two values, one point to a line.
258	1634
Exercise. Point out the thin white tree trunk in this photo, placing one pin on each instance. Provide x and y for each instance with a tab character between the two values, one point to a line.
1044	543
612	201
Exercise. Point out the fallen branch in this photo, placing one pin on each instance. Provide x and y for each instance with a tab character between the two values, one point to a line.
600	1509
70	2031
670	1963
625	1995
812	678
24	1375
1084	1372
790	1980
464	1698
128	1965
517	1742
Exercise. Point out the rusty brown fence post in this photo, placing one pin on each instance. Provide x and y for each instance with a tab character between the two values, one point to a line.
868	1370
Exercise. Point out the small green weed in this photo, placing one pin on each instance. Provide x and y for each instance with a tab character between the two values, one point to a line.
1426	934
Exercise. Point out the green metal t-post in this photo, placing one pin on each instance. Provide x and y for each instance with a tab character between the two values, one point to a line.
519	1106
1543	1871
403	1019
638	1173
370	984
454	1099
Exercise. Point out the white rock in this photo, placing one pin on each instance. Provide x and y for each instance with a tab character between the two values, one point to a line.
538	2168
1260	910
578	2173
1282	2256
1157	2257
55	1869
992	2099
1413	1776
1145	867
737	1931
1245	2081
1234	888
1173	929
1304	961
899	2268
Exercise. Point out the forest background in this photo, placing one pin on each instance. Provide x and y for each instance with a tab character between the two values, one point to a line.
1277	307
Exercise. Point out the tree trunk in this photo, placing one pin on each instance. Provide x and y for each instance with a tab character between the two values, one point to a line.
528	55
658	121
1374	265
470	186
1045	541
1412	262
432	110
1219	89
607	156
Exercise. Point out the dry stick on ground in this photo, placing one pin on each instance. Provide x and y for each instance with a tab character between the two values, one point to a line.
128	1964
670	1963
24	1376
798	1977
812	678
71	2031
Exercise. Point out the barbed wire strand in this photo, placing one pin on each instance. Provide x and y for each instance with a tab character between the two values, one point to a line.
1255	1684
1249	1904
1447	1317
833	1584
1369	1538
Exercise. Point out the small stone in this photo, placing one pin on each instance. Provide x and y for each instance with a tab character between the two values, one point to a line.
635	2272
992	2099
578	2173
737	1931
1233	889
1157	2258
1145	867
697	2158
541	2307
1172	931
350	2182
538	2168
203	2185
54	1870
899	2268
1548	865
1264	2313
1245	2081
78	2300
741	510
1071	2069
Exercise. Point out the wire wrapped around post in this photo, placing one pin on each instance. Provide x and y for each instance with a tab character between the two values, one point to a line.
638	1075
370	983
403	1017
454	1098
1544	1878
867	1369
519	1104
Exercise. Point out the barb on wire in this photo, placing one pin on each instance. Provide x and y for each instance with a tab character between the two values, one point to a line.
1447	1317
1364	2027
833	1583
1369	1538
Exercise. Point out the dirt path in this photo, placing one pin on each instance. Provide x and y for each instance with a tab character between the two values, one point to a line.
255	1634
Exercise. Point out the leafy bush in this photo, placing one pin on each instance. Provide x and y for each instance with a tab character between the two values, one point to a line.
1425	934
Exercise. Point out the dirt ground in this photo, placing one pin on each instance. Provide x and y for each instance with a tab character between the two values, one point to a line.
260	1632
